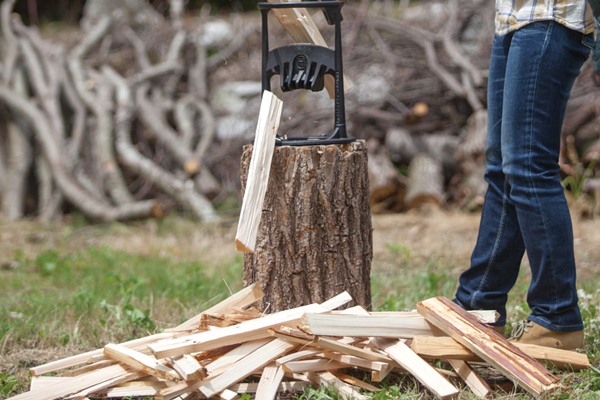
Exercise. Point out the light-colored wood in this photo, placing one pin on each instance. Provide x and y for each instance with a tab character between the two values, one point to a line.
84	358
88	368
223	320
367	325
419	368
75	384
224	362
43	382
246	366
180	389
489	345
302	28
290	386
100	388
328	379
258	173
441	347
474	381
445	347
484	316
337	301
351	350
357	361
134	391
268	386
243	298
249	330
228	395
291	335
313	365
378	376
295	356
354	381
188	368
140	361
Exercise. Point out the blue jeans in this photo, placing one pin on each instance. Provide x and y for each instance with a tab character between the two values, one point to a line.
531	74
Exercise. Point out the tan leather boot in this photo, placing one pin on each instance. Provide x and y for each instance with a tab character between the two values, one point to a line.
532	333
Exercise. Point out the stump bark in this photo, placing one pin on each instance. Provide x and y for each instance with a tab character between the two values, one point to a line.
315	236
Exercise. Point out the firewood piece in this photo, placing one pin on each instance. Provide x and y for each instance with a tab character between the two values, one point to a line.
140	361
357	361
425	182
42	382
103	386
246	366
301	27
419	368
244	298
298	355
188	368
76	384
291	335
477	385
135	391
337	301
268	385
84	358
322	364
367	326
291	386
351	350
489	345
354	381
249	330
223	363
223	320
180	389
228	395
88	368
378	376
447	348
328	379
258	172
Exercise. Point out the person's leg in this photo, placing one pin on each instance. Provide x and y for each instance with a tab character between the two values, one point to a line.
544	60
497	256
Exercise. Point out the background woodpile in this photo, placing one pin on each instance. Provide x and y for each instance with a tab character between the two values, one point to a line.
145	110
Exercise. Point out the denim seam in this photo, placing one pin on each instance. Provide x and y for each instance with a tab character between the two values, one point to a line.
495	249
530	162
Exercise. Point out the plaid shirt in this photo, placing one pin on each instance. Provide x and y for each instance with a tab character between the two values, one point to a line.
513	14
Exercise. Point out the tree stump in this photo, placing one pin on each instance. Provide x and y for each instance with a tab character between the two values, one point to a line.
315	236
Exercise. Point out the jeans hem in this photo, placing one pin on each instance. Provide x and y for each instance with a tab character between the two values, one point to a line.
553	327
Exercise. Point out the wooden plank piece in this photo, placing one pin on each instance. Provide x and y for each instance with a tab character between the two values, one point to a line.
243	298
347	391
140	361
474	381
418	367
489	345
447	348
258	172
246	366
188	367
268	386
249	330
322	364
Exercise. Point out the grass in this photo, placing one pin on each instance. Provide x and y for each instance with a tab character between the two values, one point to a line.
68	295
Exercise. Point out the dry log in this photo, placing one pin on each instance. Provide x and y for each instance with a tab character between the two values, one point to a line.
425	184
474	381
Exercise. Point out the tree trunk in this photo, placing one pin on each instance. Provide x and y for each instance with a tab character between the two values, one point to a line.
315	236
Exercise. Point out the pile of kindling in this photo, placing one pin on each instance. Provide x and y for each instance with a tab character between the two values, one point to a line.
233	348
